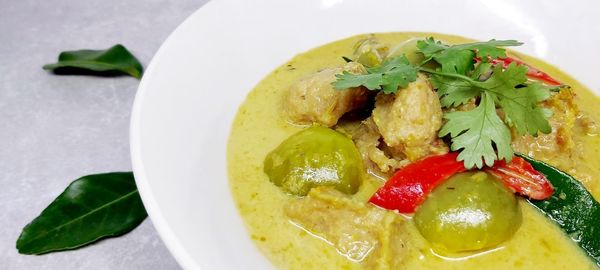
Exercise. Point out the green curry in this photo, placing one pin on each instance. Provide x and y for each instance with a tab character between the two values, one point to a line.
335	228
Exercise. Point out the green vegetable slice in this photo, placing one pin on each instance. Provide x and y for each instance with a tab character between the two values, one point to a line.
114	60
91	207
572	207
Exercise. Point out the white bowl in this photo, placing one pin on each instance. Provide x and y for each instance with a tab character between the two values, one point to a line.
201	74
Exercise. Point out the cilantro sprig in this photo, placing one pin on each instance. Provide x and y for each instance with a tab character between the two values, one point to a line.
507	89
481	134
476	132
460	58
392	73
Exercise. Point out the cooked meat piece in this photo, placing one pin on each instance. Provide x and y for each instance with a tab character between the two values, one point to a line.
314	100
558	147
368	141
410	119
590	127
361	232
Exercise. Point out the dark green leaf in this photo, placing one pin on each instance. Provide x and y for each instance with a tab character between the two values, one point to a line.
114	60
91	207
572	207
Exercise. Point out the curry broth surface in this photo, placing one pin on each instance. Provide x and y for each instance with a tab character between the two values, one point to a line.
259	127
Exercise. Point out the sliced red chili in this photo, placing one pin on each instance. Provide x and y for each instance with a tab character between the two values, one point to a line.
532	72
522	178
409	186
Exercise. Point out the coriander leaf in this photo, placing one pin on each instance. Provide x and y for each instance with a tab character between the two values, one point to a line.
348	80
489	48
453	91
452	60
476	132
504	80
389	76
398	77
519	104
112	61
429	47
521	109
518	98
460	58
456	61
390	64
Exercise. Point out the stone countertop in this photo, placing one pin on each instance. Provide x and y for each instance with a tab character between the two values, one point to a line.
56	128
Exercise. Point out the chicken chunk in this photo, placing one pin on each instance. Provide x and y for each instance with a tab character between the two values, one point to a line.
367	139
314	100
564	146
558	147
361	232
410	119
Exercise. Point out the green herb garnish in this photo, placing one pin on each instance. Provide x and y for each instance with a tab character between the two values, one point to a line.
392	73
507	89
476	132
461	58
481	134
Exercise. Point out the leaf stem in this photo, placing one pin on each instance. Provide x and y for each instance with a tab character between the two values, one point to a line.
425	62
453	75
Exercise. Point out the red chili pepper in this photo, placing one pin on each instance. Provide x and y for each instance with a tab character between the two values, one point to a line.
532	72
409	186
522	178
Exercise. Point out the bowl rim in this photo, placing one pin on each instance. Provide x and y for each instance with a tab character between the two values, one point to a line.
166	233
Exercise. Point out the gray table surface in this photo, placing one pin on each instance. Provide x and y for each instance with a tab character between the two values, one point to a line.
54	129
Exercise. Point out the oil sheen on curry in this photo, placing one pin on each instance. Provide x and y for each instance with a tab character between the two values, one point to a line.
419	151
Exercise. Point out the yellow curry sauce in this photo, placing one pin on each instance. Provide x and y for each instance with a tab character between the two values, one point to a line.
260	126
